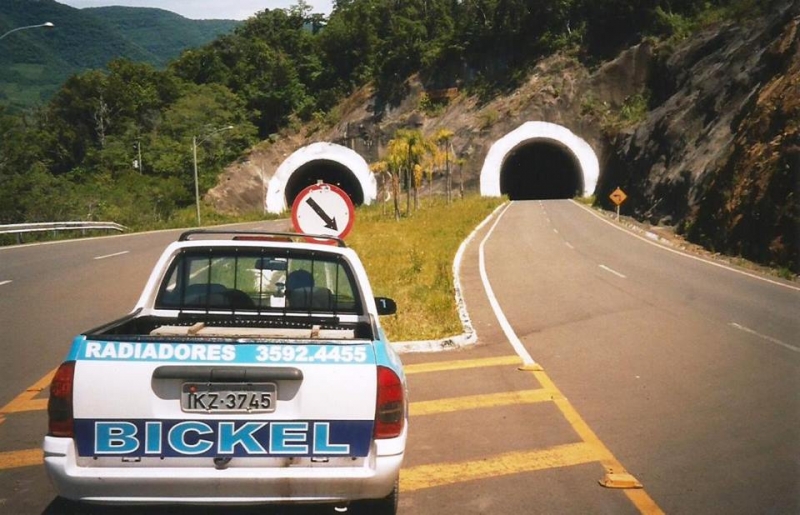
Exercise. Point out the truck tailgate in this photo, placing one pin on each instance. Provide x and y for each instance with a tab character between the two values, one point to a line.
255	400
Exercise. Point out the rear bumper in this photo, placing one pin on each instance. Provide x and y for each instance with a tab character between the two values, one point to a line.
373	478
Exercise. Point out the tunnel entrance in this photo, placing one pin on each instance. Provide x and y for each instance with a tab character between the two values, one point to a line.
539	160
321	161
329	172
541	169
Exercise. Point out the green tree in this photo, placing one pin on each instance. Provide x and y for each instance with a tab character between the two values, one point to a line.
71	118
198	114
138	92
271	62
349	46
395	164
410	148
443	139
401	49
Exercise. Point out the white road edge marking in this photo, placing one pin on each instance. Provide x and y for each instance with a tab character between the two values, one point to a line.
515	342
555	230
469	336
113	255
764	337
607	269
569	245
706	261
4	282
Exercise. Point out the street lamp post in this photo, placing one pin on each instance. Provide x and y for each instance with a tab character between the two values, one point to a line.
45	25
194	158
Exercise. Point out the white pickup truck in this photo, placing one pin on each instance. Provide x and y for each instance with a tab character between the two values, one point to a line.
253	369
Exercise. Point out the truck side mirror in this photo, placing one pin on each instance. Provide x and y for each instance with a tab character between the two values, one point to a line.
386	306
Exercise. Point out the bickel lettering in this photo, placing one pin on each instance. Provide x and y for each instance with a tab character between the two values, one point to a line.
192	438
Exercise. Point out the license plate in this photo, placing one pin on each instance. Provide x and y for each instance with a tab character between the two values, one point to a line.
229	397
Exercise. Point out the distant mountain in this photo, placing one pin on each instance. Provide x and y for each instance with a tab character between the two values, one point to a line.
35	62
163	34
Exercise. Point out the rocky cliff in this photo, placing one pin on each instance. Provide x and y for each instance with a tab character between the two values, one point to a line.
719	153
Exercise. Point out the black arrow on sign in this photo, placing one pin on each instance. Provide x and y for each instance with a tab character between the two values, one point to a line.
330	223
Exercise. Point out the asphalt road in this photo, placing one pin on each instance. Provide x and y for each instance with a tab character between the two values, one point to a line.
688	372
652	366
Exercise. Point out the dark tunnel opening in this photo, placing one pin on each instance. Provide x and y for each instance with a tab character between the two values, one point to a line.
541	169
330	172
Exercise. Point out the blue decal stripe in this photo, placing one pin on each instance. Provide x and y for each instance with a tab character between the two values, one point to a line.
94	350
77	345
213	438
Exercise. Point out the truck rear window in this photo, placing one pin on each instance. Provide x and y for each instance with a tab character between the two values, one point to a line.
259	280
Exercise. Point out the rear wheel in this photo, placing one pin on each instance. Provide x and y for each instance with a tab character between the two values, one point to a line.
62	506
384	506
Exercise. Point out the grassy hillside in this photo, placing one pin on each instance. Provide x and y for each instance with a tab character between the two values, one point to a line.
35	62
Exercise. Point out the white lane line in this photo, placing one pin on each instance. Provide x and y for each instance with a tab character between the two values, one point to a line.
4	282
764	337
113	255
662	247
569	245
607	269
555	230
515	342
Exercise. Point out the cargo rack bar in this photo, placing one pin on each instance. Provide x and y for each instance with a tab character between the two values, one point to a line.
186	236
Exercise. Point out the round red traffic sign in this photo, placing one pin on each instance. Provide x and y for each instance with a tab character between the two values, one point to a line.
323	209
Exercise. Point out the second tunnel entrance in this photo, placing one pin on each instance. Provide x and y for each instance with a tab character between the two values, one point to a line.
539	160
541	169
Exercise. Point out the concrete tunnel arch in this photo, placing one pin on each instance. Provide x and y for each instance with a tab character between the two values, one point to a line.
539	160
327	162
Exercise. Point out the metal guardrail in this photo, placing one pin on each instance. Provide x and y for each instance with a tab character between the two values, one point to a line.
20	229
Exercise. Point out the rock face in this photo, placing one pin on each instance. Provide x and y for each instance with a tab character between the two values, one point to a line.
715	150
752	203
719	154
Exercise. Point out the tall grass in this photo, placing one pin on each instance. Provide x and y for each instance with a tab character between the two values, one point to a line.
411	261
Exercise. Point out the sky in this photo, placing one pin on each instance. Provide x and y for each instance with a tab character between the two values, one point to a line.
207	9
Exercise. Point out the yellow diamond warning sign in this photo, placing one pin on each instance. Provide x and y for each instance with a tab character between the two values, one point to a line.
618	196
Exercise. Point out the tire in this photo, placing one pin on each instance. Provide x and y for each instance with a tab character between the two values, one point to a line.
62	506
385	506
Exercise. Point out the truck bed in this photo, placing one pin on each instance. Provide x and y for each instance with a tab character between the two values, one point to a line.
137	327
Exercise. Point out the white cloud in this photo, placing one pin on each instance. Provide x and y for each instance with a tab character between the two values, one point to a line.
207	9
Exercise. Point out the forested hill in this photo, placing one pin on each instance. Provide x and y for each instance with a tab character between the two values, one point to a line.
35	63
163	34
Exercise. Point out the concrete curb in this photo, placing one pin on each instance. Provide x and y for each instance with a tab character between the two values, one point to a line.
469	337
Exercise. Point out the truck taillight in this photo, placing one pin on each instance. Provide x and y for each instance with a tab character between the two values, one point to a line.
59	406
390	409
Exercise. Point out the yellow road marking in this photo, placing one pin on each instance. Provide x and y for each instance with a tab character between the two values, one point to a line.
479	401
441	474
577	423
31	405
441	366
590	449
25	401
17	459
643	502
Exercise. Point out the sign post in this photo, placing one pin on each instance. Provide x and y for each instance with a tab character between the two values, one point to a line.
618	197
325	210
